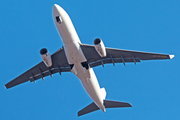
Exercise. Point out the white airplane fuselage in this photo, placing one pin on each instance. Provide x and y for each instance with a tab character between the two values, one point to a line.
75	56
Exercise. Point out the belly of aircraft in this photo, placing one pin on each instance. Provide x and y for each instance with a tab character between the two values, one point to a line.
74	53
87	77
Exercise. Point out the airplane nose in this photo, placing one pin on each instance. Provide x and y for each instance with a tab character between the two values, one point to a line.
55	9
56	13
55	5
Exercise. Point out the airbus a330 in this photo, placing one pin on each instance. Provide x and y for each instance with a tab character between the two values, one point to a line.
80	59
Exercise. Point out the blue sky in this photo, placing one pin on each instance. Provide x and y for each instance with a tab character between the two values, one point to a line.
152	87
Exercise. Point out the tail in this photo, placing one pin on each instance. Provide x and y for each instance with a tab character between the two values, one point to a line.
107	103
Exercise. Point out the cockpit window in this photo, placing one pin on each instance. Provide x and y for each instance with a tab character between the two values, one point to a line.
58	19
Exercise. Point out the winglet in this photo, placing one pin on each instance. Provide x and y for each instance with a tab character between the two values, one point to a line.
171	56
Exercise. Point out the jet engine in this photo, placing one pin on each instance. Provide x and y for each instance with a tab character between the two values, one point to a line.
46	57
100	48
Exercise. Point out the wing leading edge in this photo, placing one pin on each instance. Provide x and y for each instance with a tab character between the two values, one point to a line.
59	64
119	56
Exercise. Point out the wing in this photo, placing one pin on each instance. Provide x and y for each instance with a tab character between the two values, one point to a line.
118	56
59	64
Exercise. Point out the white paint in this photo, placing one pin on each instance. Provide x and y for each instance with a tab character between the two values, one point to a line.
75	56
100	48
171	56
47	59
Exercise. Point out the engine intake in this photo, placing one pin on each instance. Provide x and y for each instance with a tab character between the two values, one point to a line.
100	48
97	41
46	57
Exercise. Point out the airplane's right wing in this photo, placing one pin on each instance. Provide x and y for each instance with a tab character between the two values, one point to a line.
119	56
59	64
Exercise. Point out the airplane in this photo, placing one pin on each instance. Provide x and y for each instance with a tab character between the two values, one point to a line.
80	59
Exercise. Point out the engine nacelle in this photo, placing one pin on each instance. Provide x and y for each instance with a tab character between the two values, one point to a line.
46	57
100	48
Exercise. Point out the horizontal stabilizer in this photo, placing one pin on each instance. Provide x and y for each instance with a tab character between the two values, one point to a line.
90	108
115	104
107	103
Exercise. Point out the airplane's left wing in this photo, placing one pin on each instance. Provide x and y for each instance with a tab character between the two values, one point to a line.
119	56
59	64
